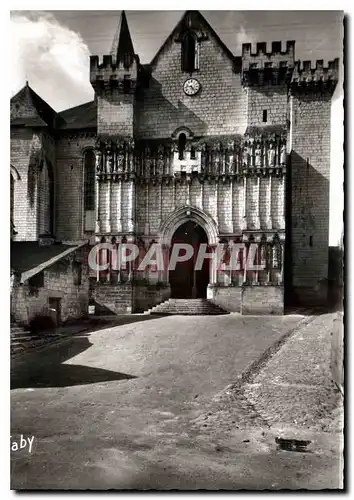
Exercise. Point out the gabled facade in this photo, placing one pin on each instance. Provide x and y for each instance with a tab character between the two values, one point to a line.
198	146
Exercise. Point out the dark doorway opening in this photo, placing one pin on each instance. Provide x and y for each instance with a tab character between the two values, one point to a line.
185	281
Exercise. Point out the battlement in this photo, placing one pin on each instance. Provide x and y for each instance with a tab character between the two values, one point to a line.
261	59
267	68
111	71
305	76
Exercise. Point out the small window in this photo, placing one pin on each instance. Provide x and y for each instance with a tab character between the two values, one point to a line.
192	153
189	53
182	139
89	184
311	241
265	117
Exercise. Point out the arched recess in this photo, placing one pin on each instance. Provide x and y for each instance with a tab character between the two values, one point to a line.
190	52
185	214
89	202
46	198
14	172
14	178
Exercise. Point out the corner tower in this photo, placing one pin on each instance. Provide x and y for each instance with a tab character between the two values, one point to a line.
114	81
311	91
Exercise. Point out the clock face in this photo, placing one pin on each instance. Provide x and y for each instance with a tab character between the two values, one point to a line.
191	86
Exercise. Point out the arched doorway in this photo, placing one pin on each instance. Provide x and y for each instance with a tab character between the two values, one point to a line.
185	281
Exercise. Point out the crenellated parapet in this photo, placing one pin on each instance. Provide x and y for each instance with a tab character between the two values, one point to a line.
267	68
306	77
113	72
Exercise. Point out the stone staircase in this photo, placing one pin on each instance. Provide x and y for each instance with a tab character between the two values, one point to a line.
20	338
187	307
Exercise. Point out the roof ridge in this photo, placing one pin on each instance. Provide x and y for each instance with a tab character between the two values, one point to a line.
77	106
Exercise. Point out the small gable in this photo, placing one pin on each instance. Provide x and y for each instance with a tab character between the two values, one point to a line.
191	24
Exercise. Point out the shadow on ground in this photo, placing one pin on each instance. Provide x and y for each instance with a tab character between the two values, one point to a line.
312	311
96	323
47	369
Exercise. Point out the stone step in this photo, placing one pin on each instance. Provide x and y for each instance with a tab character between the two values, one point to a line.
188	307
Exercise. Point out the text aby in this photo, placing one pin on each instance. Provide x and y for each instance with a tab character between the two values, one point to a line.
21	443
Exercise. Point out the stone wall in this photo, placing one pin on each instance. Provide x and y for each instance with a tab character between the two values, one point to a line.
30	155
273	99
118	297
147	296
115	113
223	202
219	108
25	153
69	213
227	297
59	282
310	166
262	300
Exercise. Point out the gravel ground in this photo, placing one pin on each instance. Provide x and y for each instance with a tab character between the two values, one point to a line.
295	386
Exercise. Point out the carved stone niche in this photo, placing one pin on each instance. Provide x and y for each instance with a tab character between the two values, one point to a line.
247	154
186	153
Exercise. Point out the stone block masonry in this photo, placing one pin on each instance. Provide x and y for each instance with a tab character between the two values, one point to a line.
59	282
262	300
310	166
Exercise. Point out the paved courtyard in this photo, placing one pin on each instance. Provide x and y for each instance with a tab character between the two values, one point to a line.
127	408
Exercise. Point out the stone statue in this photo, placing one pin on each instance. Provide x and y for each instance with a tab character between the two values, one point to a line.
98	153
110	161
271	155
283	154
275	256
120	158
245	156
160	160
147	161
130	154
258	156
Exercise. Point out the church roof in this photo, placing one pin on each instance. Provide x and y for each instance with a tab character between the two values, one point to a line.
122	43
193	19
42	114
79	117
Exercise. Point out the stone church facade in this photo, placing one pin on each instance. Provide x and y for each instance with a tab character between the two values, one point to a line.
198	146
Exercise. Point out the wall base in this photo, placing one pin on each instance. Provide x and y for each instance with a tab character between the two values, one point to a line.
262	299
227	297
148	295
248	299
310	296
128	298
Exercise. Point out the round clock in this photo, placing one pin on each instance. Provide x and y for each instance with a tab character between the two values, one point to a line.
191	86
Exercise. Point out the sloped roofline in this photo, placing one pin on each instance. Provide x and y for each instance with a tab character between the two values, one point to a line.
37	102
177	27
26	275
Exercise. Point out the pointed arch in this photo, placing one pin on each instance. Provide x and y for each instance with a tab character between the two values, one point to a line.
184	214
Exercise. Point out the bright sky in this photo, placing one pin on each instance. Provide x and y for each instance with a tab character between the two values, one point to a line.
51	50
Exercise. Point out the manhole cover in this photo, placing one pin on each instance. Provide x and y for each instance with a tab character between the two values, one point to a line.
293	444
